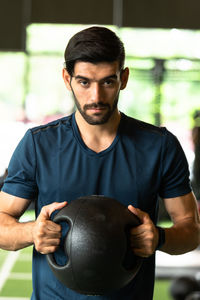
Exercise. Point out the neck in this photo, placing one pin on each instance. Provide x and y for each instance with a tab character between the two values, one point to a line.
98	137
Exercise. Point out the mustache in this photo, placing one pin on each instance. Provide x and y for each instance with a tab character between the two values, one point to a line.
96	105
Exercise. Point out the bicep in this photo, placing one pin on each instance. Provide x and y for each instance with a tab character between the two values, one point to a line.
12	205
182	208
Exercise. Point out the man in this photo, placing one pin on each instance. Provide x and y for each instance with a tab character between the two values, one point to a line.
97	150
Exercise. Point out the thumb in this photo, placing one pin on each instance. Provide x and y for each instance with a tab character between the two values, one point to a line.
47	210
143	216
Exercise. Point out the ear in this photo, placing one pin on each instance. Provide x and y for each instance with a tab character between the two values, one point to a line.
66	78
124	78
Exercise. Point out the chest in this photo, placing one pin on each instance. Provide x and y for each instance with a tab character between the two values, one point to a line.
124	173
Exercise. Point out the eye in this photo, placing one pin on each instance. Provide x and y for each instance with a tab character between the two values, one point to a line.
83	83
109	82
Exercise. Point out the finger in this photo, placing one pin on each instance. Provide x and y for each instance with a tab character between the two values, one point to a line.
49	228
47	250
48	242
143	216
139	252
47	210
48	246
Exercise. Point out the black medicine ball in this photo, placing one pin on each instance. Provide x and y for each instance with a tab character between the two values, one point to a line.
97	246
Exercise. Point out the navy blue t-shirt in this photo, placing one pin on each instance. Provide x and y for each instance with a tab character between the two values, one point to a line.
52	163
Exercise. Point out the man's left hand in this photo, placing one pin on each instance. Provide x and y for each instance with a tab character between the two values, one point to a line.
144	238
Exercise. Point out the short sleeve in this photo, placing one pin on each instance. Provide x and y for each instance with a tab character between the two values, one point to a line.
20	181
174	168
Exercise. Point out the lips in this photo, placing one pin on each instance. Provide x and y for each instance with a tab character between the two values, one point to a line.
96	107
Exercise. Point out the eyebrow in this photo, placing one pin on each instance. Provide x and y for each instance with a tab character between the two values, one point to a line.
114	76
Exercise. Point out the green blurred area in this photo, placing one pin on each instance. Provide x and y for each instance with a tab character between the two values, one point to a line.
16	288
161	290
32	80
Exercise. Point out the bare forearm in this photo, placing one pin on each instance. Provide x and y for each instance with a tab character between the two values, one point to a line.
181	238
14	235
43	233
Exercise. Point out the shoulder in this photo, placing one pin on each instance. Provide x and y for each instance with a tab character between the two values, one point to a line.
64	122
146	135
46	135
134	126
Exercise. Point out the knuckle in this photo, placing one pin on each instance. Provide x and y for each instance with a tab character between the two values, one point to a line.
43	209
151	235
38	247
40	224
57	227
40	231
59	235
145	214
56	243
52	249
150	249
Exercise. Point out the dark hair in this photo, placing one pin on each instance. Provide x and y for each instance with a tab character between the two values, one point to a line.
95	45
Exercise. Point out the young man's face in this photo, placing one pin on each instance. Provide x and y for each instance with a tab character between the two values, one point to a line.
96	89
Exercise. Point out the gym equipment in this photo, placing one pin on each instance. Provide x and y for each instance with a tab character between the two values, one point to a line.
193	296
183	286
97	246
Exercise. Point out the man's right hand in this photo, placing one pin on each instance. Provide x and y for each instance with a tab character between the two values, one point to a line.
46	233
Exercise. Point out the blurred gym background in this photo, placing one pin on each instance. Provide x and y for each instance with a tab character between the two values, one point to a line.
162	42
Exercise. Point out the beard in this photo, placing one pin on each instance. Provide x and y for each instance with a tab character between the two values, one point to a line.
97	118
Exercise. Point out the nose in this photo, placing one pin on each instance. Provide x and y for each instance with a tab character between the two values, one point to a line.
96	92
